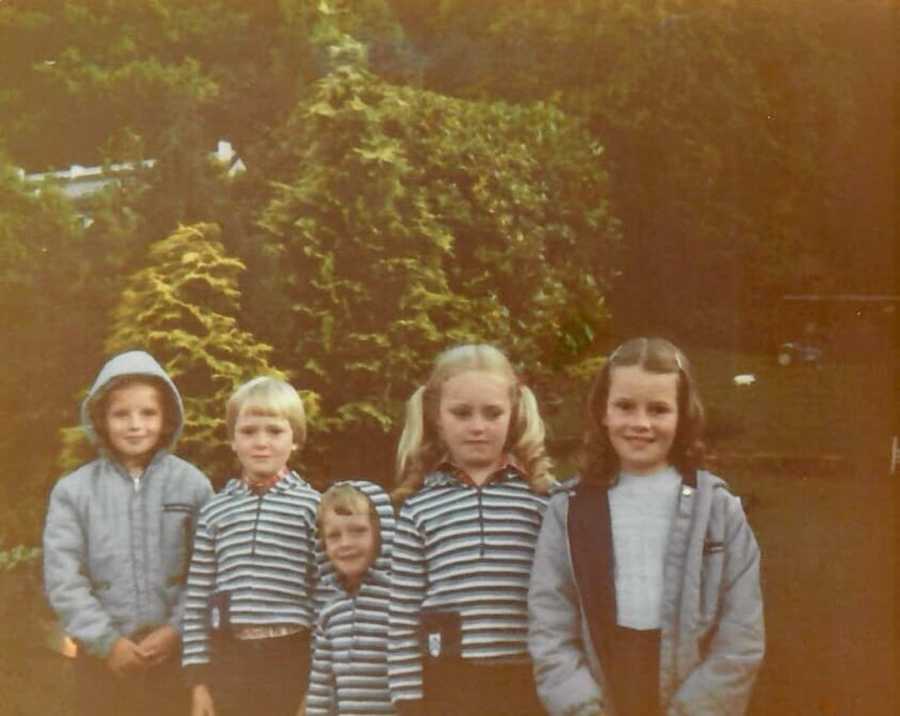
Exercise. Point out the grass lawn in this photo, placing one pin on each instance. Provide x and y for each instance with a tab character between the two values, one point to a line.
829	552
808	447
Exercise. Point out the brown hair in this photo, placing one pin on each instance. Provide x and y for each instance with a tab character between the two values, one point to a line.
600	463
99	405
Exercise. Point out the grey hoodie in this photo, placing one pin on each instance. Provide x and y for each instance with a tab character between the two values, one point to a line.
116	551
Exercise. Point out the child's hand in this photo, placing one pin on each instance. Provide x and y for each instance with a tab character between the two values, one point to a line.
160	644
126	657
201	702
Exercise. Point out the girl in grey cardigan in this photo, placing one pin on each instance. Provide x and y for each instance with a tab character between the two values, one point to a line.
645	595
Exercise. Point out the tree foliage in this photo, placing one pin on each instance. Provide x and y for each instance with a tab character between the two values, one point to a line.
49	333
723	121
78	77
416	221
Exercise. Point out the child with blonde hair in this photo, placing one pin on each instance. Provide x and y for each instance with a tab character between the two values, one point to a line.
349	664
645	595
474	481
250	595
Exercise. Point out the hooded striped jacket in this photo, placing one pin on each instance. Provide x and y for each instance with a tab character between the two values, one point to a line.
349	664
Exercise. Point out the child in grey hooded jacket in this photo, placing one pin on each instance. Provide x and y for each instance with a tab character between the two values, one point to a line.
117	542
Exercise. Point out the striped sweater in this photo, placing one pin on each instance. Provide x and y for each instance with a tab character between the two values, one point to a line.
260	548
349	666
468	550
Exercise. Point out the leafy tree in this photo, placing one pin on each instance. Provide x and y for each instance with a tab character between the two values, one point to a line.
78	76
51	313
722	122
416	221
183	309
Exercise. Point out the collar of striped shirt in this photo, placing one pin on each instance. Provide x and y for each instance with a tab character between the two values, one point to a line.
447	473
286	480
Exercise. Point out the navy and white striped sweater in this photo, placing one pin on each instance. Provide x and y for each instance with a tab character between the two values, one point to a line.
349	666
263	550
349	663
464	549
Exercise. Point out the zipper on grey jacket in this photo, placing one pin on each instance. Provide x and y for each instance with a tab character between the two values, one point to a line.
138	564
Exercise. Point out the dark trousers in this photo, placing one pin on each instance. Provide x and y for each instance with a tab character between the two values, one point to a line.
259	676
456	687
159	691
633	673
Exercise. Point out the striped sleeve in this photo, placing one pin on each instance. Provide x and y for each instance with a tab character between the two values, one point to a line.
201	578
320	699
408	586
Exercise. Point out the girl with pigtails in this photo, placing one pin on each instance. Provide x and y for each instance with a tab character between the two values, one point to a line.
473	483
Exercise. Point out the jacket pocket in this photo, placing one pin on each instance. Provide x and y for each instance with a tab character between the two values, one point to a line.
711	579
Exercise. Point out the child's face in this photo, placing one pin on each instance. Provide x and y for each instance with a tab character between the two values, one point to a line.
642	417
473	419
263	444
134	423
350	542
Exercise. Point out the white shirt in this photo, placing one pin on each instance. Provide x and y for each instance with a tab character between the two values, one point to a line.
641	508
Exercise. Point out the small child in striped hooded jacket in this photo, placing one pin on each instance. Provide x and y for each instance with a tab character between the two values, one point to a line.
349	664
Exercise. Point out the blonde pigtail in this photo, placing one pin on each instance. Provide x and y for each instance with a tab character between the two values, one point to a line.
410	470
528	447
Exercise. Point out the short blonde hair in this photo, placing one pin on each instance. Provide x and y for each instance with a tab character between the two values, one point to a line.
344	499
267	396
421	448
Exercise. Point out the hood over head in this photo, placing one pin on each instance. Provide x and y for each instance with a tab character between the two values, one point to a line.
131	363
384	508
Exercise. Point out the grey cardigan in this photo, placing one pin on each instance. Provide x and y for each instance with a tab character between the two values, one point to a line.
712	639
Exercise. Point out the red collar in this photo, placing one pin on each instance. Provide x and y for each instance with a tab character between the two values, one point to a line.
261	487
